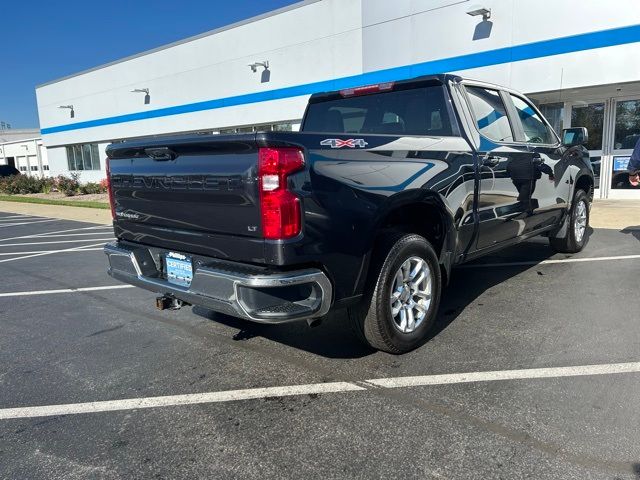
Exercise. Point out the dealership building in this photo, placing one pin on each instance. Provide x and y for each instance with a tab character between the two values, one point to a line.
24	150
578	60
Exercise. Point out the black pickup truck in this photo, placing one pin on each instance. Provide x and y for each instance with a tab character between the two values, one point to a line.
384	190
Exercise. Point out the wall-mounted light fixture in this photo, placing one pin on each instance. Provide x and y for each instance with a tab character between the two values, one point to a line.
254	66
480	11
72	112
147	97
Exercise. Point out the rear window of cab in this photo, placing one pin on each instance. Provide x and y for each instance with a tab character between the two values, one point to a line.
415	111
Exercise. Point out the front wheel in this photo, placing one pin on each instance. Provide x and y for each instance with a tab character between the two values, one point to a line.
575	237
401	308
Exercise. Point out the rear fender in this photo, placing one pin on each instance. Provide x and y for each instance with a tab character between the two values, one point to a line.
416	200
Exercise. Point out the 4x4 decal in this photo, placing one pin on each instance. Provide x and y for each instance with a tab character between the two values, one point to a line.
338	143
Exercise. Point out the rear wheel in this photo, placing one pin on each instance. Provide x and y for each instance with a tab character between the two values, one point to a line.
578	222
404	293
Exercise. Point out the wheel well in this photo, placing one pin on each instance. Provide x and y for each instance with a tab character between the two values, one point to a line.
425	220
585	183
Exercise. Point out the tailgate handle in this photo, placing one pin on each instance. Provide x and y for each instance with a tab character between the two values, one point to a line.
161	154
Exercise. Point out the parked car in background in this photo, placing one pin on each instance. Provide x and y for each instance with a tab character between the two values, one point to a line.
8	171
368	208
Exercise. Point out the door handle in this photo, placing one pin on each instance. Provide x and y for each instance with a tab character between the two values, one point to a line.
491	161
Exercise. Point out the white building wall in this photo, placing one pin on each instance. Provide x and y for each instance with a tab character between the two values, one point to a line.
58	162
318	41
25	153
19	149
409	32
57	159
323	40
15	135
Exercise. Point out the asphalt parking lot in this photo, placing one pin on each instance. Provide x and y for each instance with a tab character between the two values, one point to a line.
533	372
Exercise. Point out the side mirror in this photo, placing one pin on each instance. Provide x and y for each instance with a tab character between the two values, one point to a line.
575	136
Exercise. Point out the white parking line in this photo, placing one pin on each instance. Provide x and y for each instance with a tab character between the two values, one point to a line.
70	235
97	231
65	290
526	374
18	216
44	234
15	219
79	249
56	242
193	399
550	262
4	225
316	388
40	254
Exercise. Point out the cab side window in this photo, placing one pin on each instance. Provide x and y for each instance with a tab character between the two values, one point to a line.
535	130
490	114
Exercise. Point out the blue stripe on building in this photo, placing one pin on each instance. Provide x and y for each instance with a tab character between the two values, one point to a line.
517	53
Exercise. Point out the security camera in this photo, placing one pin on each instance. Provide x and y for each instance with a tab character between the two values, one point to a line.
477	11
254	66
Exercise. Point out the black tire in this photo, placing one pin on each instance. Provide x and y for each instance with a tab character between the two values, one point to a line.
373	319
570	243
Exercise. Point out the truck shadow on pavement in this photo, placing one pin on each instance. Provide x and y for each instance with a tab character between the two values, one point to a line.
334	338
634	231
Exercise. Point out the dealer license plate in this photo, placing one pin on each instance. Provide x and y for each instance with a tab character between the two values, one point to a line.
179	269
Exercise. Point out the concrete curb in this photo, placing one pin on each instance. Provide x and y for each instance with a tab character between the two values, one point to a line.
616	214
79	214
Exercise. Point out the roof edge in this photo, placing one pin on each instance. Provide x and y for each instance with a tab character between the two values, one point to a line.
240	23
11	142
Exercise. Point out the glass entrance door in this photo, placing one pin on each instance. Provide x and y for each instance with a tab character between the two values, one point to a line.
625	133
592	116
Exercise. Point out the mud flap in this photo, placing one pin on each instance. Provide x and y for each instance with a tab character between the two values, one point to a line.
563	230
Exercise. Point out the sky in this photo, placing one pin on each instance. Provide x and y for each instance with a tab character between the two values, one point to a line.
46	40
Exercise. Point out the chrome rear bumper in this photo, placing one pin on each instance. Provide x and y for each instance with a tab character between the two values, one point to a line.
239	290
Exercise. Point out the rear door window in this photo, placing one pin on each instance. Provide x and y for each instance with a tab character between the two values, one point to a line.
416	111
490	114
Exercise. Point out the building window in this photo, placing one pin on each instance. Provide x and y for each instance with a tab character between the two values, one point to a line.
23	168
627	129
83	157
34	168
278	127
45	167
283	127
590	116
554	113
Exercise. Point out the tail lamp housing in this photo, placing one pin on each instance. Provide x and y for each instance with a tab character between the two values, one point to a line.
280	208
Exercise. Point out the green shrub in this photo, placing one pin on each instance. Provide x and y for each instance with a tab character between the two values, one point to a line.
4	184
91	188
23	184
70	186
48	185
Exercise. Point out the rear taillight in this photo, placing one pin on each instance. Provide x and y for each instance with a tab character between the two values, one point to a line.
280	207
112	203
367	89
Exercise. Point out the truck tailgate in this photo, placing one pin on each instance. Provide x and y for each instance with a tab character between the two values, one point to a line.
190	187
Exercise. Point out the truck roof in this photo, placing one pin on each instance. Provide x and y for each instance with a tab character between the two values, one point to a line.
441	78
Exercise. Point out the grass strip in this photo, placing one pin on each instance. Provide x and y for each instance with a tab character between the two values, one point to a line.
45	201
